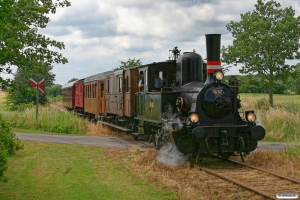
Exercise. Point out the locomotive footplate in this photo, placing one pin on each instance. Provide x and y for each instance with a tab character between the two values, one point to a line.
126	130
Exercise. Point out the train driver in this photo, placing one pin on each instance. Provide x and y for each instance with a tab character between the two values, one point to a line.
157	82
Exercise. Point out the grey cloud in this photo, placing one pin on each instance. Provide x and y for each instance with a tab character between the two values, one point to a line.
190	3
139	49
57	30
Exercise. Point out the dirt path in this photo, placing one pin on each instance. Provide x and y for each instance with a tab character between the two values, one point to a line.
115	141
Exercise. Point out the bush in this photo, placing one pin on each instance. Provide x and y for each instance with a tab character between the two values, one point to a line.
262	104
9	144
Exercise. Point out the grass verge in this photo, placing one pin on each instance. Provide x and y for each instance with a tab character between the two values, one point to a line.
282	121
55	171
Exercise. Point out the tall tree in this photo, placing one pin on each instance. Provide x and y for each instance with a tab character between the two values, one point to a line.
20	43
54	90
263	40
129	63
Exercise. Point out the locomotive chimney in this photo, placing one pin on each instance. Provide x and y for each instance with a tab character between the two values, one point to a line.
213	51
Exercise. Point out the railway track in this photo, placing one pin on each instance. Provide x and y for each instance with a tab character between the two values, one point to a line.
257	180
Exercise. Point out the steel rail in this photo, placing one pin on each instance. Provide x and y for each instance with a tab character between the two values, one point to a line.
238	183
257	168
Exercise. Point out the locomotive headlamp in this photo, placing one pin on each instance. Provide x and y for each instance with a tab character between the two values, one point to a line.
194	118
219	75
251	117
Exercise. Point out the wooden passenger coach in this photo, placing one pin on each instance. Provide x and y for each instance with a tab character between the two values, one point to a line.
95	95
68	95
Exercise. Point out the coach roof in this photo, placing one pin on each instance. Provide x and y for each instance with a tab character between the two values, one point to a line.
96	77
68	85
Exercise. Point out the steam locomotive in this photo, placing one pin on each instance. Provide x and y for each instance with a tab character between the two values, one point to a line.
193	108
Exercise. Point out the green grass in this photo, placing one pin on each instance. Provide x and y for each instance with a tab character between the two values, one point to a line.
50	120
293	150
56	171
282	121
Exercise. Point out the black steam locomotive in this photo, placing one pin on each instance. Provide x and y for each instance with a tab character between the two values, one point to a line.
207	119
193	108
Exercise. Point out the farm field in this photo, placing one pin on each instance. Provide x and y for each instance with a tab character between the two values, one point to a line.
282	121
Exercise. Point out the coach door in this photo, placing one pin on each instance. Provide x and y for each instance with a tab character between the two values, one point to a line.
143	72
119	92
102	97
109	93
127	106
130	88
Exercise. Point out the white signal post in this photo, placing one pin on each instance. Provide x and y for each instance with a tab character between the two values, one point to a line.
39	87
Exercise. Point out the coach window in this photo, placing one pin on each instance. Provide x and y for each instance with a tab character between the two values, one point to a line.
127	84
146	77
107	86
90	91
94	90
102	90
120	84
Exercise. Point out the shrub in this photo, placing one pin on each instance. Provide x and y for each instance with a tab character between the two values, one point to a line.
9	144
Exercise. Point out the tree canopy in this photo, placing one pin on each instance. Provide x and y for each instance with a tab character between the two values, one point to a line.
20	43
129	63
263	40
72	79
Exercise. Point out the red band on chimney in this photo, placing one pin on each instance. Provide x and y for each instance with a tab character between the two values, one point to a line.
213	65
213	62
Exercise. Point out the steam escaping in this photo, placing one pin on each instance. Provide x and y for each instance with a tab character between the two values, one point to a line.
168	153
257	121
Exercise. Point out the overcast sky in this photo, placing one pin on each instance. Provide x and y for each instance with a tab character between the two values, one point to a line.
98	34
